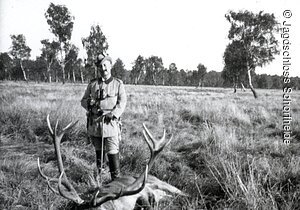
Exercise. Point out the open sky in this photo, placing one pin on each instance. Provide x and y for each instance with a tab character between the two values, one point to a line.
186	32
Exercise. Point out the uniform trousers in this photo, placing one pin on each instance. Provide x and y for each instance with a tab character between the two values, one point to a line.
111	144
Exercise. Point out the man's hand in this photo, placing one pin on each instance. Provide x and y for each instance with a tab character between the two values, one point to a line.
108	117
92	102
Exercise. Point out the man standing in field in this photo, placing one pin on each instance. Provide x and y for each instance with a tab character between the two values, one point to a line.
105	101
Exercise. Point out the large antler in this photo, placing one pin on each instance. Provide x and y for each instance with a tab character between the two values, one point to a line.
155	146
65	188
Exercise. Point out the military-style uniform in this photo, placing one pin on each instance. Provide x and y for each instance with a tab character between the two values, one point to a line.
109	96
100	98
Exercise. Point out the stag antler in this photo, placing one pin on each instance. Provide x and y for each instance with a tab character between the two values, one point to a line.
65	188
155	146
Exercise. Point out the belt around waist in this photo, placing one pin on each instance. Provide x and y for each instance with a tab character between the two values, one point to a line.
102	111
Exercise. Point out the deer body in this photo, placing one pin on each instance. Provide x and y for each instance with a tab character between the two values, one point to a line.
123	193
154	191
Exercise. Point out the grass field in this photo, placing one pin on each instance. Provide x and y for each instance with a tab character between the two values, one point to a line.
226	152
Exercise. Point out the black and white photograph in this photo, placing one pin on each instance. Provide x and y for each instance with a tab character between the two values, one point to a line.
149	105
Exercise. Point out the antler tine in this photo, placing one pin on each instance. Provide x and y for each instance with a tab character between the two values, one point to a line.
49	124
71	194
157	145
148	133
42	173
47	178
40	170
63	131
68	127
51	188
149	142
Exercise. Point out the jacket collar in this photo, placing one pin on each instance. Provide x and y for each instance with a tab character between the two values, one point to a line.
106	81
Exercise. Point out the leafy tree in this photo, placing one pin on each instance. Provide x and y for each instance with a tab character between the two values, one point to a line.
235	68
61	25
162	76
202	70
154	64
56	68
118	70
256	33
20	51
40	69
71	59
295	83
214	79
6	64
79	66
192	78
182	78
262	81
138	69
36	69
276	82
95	44
172	71
49	53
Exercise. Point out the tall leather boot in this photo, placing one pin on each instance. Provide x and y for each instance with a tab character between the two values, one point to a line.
114	165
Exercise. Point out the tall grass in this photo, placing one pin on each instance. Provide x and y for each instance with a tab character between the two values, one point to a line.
226	150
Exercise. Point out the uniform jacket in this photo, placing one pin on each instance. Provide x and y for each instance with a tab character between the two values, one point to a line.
109	96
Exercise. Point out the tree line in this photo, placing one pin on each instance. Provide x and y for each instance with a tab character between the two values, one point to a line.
251	44
37	70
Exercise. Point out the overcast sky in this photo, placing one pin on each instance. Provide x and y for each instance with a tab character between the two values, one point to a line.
187	32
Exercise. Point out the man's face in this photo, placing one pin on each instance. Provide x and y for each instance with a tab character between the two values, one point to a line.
105	69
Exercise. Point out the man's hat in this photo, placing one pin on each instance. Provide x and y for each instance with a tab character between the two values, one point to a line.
101	58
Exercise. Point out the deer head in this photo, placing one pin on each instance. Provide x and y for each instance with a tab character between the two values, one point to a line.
115	190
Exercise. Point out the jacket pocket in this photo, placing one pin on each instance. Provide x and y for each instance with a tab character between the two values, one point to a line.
112	91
